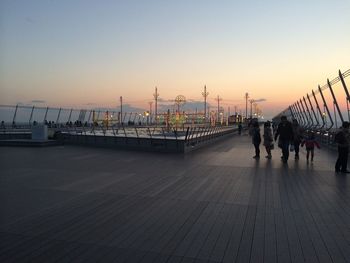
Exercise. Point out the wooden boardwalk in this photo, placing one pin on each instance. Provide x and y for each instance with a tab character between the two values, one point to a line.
217	204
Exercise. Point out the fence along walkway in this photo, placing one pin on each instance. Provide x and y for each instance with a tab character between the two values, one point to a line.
213	205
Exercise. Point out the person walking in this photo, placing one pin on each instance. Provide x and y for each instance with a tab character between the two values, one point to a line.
297	137
342	138
310	143
256	139
268	139
284	134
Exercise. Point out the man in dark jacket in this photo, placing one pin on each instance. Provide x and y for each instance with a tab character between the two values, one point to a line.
285	133
342	138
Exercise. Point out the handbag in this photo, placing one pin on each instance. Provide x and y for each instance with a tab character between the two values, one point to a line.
291	148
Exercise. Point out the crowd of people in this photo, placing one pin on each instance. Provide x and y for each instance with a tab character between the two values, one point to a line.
290	136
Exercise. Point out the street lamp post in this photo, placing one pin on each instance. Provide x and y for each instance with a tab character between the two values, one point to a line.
205	95
246	104
121	110
156	96
251	108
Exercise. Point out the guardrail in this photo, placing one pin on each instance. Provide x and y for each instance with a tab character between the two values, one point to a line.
146	138
322	110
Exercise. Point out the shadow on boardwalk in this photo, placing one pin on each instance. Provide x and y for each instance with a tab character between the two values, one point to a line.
217	204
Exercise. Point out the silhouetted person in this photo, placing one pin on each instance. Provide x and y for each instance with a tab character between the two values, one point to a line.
240	128
297	137
310	143
256	139
3	125
342	138
285	134
268	139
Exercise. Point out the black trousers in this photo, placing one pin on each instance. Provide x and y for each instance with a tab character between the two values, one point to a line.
296	147
342	161
257	149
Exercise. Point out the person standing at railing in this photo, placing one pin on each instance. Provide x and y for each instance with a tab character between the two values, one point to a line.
285	134
342	138
297	137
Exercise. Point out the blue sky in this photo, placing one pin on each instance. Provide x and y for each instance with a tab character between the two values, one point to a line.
72	53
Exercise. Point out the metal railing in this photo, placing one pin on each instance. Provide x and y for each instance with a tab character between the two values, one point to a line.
322	110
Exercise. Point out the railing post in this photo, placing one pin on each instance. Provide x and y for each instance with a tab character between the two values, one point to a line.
313	111
291	112
297	113
308	111
319	109
47	109
335	101
304	112
58	116
325	105
89	118
31	116
301	113
14	116
346	92
70	115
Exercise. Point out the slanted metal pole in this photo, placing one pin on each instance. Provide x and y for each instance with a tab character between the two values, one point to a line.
308	111
291	112
31	116
346	92
335	101
58	115
88	120
325	105
14	115
319	109
47	109
313	111
70	115
297	114
302	114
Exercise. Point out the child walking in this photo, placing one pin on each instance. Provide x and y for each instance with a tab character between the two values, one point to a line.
310	143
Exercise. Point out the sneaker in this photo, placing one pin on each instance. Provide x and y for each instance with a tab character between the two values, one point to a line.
256	157
345	172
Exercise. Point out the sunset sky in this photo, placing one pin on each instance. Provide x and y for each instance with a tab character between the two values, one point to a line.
88	53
